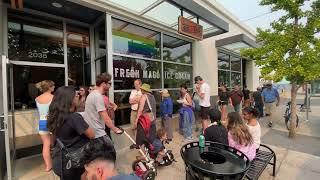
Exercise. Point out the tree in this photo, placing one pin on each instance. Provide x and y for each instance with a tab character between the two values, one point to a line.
291	47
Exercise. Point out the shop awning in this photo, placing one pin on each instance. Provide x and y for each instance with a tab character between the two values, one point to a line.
166	12
236	43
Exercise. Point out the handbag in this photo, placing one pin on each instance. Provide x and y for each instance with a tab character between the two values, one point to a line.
74	157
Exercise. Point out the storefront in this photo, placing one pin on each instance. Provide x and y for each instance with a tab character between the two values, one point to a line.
70	42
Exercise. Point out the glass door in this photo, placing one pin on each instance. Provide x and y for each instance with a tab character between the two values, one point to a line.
7	122
101	47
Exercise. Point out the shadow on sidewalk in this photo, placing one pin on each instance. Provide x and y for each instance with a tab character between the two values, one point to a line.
302	143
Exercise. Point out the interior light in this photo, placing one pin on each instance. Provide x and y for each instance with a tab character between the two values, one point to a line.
57	5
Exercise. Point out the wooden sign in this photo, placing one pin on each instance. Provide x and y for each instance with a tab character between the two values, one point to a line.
189	28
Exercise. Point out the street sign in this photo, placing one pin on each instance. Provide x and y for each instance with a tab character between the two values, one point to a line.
190	28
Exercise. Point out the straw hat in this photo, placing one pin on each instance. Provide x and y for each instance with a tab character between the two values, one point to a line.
146	87
164	93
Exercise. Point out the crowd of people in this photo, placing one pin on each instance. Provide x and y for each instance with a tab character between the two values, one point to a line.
83	119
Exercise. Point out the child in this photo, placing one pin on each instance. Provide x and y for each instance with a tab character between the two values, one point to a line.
166	108
159	149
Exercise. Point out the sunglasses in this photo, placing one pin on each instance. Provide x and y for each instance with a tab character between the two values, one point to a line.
110	83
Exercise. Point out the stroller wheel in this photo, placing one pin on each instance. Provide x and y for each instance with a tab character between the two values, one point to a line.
135	164
149	175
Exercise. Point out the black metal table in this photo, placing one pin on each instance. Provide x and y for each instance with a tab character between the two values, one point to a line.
214	161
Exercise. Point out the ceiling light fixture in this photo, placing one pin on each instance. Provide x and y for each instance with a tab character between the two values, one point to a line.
57	5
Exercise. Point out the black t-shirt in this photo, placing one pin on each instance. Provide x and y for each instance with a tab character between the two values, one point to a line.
246	94
224	96
72	131
216	133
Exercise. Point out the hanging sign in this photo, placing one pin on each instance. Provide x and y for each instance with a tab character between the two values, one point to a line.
189	28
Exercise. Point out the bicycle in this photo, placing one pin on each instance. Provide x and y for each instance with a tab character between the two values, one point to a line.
287	115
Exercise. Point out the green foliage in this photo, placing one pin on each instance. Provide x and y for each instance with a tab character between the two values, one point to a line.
291	48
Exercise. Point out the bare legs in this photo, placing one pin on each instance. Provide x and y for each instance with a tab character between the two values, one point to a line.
46	140
223	112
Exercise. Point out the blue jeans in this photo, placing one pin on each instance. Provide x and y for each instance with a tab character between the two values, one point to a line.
259	107
187	125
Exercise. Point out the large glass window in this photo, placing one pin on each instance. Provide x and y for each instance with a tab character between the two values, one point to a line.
224	78
126	70
229	69
235	63
176	75
137	55
24	80
235	78
134	40
176	50
31	38
78	56
223	61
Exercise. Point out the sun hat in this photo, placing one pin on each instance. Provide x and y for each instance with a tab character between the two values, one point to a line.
164	93
146	87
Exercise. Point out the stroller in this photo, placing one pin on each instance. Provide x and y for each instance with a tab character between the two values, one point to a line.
146	168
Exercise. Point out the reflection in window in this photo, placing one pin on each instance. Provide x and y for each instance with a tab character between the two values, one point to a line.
25	78
235	78
176	50
78	56
235	63
223	61
176	75
224	78
31	38
122	114
126	70
135	40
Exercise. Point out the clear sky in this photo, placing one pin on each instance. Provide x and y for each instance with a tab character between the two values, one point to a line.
251	13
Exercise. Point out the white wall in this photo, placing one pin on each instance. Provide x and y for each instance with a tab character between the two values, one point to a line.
205	64
205	54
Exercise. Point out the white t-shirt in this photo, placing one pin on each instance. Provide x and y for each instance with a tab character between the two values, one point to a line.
255	132
205	102
134	94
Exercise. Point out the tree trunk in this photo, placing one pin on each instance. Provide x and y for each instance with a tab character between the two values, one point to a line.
292	130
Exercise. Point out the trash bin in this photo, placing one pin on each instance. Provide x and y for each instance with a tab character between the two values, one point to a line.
214	161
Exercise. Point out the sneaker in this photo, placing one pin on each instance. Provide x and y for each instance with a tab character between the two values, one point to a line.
270	124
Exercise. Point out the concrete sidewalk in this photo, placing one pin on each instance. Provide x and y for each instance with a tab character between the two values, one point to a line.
291	163
297	158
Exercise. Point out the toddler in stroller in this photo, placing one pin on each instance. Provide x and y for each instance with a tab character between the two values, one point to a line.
157	150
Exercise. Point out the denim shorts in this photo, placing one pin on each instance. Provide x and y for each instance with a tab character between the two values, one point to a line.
43	129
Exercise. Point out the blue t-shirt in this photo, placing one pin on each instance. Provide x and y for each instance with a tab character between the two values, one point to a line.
125	177
158	145
166	107
270	95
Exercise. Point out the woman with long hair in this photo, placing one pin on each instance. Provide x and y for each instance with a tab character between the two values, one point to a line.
239	136
81	98
186	113
43	101
69	127
250	116
223	99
